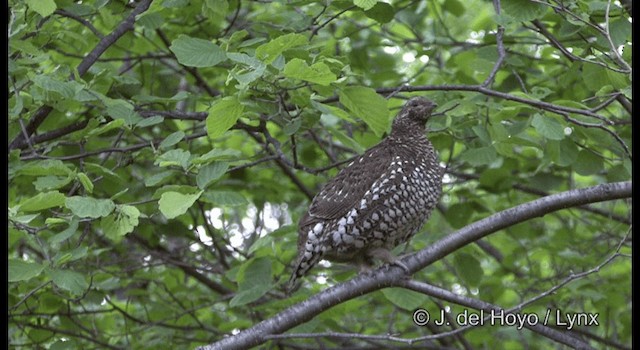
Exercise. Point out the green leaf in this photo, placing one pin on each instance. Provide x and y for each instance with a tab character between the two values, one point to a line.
381	12
44	183
223	115
21	270
67	233
249	295
523	10
217	154
194	52
210	173
158	178
244	76
172	139
98	169
620	31
365	4
174	157
45	167
43	201
588	163
468	268
548	127
331	110
479	156
112	125
150	20
174	204
594	76
254	280
405	299
62	258
120	109
85	181
24	219
72	281
318	73
66	89
459	214
454	7
269	51
367	105
224	198
261	242
118	224
150	121
567	152
88	207
184	189
215	10
43	7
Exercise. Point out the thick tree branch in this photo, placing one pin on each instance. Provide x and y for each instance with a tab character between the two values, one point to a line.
537	192
444	294
387	276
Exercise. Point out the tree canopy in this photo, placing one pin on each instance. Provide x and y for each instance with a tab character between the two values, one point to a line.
161	153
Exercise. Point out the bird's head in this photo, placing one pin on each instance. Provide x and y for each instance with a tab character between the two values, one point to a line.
414	114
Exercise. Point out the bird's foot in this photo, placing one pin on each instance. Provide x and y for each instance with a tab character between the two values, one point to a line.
386	256
399	263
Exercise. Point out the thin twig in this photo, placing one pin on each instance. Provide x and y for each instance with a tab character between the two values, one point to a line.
501	51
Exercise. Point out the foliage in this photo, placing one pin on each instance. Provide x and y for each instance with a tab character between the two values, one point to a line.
173	145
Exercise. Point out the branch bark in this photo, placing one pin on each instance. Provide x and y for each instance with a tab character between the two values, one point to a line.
388	276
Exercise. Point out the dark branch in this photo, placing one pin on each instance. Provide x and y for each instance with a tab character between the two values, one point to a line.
385	277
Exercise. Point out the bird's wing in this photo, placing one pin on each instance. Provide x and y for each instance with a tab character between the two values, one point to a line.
346	190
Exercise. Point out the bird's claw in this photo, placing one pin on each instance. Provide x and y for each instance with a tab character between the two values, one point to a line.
400	264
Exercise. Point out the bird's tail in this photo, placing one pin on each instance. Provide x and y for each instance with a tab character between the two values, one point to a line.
304	263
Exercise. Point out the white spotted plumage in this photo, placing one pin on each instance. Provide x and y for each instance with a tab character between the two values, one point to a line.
377	201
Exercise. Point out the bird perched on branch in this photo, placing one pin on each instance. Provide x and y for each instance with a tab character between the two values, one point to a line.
377	201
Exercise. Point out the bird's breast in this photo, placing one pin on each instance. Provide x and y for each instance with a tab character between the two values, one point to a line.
390	212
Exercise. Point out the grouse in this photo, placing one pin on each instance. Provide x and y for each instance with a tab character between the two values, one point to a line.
377	201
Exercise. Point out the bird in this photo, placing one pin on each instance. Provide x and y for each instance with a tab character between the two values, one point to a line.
377	202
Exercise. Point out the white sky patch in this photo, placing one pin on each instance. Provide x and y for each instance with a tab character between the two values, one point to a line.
215	215
324	263
475	37
259	222
247	224
408	57
568	131
203	236
538	52
391	49
235	237
424	59
458	289
269	217
321	280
